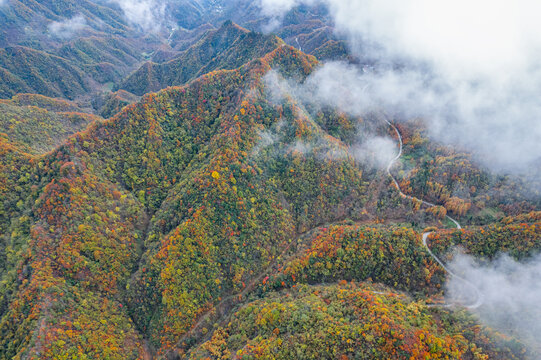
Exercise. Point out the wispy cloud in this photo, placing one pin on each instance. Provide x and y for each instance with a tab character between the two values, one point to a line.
324	89
67	28
470	69
274	10
511	293
376	151
147	15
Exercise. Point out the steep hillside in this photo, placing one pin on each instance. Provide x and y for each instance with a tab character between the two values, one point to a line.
19	16
35	130
65	48
109	104
305	27
183	160
348	321
71	72
449	177
519	236
226	48
76	50
104	59
38	72
310	29
44	102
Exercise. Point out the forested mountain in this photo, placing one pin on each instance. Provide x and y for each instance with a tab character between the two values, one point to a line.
36	124
179	207
226	48
64	49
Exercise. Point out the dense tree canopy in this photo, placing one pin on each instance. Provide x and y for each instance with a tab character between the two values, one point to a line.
210	220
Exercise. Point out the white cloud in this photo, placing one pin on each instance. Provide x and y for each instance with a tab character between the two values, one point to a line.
67	28
471	69
376	151
266	139
275	9
502	126
479	37
278	7
325	89
510	293
278	88
148	15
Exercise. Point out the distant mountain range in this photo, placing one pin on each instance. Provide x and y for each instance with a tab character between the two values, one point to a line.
93	47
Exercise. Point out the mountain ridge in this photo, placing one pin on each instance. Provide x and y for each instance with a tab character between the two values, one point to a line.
213	52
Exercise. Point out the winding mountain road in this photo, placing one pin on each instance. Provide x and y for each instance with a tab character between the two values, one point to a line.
478	296
299	44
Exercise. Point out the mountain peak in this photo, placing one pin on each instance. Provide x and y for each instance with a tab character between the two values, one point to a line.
229	24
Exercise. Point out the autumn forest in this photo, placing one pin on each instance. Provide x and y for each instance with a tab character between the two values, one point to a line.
181	190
